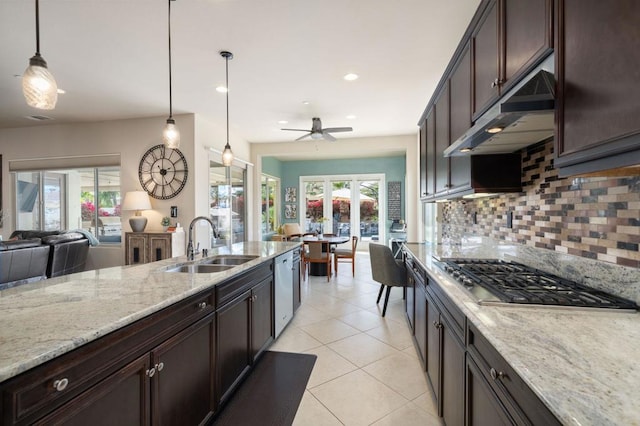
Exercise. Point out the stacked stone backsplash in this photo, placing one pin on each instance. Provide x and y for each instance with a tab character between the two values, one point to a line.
595	218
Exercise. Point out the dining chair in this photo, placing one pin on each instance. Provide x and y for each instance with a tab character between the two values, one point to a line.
292	230
346	255
319	253
387	270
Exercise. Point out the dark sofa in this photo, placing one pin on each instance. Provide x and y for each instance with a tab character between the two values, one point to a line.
34	255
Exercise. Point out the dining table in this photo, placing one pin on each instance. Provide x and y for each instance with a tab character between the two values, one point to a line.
320	269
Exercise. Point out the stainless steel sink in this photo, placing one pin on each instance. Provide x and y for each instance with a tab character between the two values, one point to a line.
199	268
228	259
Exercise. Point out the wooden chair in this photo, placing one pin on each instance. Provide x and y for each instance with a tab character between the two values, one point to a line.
346	255
292	230
319	253
387	270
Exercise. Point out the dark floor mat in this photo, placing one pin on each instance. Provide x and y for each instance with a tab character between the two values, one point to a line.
272	392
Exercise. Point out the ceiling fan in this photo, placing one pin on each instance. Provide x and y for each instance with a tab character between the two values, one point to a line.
317	132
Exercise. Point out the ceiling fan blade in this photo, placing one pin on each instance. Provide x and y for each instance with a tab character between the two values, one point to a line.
328	137
338	129
297	130
304	136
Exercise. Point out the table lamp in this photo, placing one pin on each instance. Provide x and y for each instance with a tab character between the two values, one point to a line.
138	201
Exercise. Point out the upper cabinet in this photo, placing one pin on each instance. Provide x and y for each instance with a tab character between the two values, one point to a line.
511	37
597	63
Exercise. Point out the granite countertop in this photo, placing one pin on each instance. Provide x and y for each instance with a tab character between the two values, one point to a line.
583	364
48	318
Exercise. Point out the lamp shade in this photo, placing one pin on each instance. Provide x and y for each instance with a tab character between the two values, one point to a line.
137	200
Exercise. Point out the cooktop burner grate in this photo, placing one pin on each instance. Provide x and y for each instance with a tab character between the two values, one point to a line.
513	282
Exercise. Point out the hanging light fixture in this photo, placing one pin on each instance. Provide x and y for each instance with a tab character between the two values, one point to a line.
227	155
170	134
38	85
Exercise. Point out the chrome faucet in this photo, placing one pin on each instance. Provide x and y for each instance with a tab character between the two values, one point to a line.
190	251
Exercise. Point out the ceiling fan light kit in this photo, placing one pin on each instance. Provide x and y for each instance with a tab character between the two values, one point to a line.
170	133
38	85
317	132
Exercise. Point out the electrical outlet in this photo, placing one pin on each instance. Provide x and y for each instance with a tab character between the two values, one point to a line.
509	219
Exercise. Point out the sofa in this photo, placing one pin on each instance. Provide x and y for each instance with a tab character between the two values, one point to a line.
34	255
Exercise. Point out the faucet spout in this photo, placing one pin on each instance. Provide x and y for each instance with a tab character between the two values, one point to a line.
190	251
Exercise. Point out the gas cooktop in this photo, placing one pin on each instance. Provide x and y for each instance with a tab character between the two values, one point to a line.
493	281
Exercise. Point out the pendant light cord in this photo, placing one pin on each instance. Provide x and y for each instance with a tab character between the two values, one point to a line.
37	27
169	26
227	74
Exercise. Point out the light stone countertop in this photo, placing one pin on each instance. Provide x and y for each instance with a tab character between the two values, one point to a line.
45	319
583	364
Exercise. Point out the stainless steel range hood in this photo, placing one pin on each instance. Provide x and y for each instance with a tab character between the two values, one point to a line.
523	116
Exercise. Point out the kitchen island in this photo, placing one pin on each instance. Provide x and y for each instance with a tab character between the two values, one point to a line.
101	323
580	363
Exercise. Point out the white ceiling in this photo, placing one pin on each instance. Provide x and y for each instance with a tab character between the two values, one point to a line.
111	58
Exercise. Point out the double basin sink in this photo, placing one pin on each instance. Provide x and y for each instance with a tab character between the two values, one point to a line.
219	263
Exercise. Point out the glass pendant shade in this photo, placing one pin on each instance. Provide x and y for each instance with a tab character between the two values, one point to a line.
227	156
38	85
171	134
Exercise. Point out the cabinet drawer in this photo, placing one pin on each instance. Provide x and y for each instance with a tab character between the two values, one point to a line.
417	271
229	290
452	313
514	393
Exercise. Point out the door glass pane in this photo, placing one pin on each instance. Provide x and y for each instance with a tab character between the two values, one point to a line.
108	205
314	205
54	184
28	200
341	207
269	193
237	203
369	202
86	181
227	202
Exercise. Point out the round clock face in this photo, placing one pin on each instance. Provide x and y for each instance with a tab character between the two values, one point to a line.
163	172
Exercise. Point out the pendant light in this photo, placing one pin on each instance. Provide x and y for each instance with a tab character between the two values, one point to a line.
38	85
170	134
227	155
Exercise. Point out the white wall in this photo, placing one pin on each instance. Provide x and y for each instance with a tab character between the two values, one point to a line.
351	147
128	138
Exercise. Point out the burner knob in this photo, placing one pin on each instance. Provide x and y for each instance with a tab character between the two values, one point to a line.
468	282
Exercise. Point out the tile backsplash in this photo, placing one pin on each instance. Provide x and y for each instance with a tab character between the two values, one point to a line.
595	217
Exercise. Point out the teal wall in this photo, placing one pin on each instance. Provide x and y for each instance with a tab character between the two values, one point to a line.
289	172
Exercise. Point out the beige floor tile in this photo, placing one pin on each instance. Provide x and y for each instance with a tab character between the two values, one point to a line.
330	330
307	314
362	349
427	403
401	373
365	301
328	366
357	398
411	351
294	339
393	333
311	412
409	415
363	320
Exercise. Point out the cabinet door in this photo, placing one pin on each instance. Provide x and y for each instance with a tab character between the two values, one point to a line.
233	345
433	348
460	87
423	159
528	36
431	153
120	399
442	140
296	282
136	248
409	303
262	326
483	407
159	246
486	75
183	384
598	109
452	377
421	324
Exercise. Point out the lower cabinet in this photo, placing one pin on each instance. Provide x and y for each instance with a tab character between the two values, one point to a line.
297	300
483	407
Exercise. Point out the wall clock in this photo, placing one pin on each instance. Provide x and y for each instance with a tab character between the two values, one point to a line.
163	172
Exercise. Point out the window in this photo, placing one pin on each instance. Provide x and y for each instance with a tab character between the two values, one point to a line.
226	202
87	198
270	203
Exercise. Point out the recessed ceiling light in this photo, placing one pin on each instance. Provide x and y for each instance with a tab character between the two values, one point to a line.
221	89
494	130
350	77
305	102
282	122
351	117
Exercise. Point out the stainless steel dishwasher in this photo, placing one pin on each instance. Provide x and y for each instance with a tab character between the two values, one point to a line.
283	291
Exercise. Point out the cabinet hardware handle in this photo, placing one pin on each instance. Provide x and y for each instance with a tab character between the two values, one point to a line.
437	324
202	305
151	372
61	384
496	374
159	367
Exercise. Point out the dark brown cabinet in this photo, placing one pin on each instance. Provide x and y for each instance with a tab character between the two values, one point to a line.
441	113
452	357
423	160
460	88
262	314
597	66
409	302
486	67
483	408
